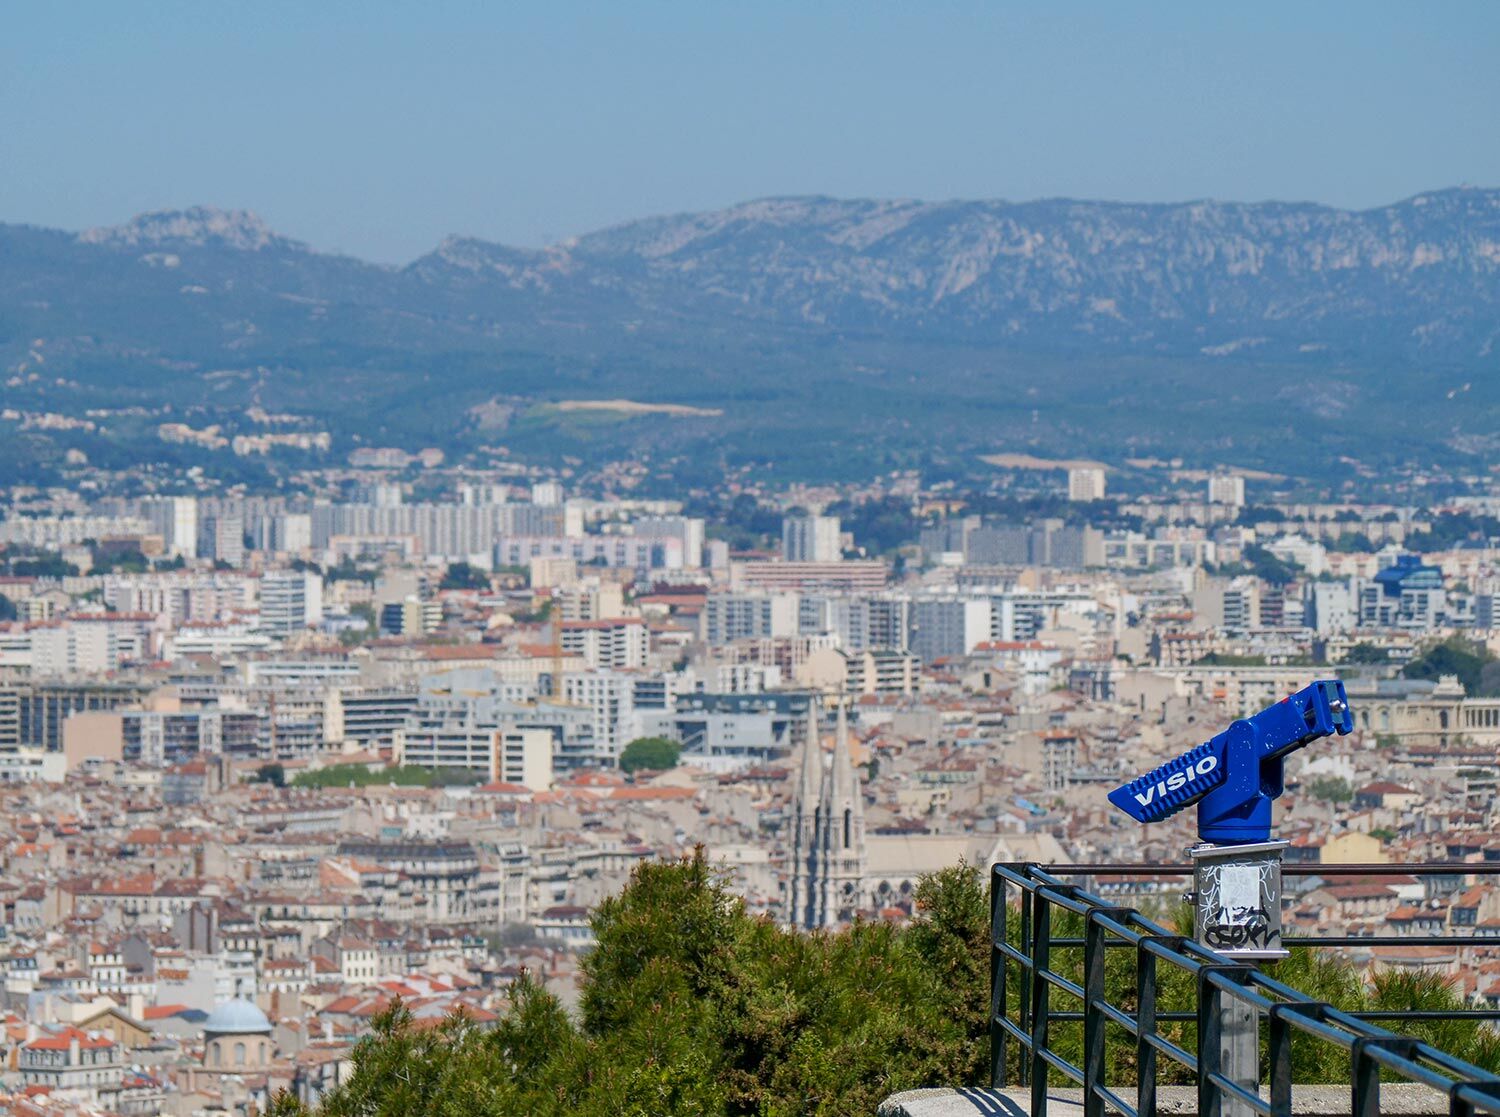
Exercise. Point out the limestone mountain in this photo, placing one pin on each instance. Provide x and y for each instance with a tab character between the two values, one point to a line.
907	329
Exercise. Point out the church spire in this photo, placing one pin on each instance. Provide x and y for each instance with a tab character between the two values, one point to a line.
807	802
827	872
845	787
811	782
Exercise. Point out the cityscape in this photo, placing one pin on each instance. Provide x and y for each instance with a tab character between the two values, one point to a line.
761	560
274	762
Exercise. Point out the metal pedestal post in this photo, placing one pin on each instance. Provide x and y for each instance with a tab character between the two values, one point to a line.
1237	912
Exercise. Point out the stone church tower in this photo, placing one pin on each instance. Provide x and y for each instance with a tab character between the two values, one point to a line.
828	833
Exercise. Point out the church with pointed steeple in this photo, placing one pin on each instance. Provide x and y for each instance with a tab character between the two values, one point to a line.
827	879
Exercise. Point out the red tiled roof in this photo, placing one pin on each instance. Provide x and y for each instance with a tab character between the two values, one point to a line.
61	1041
162	1012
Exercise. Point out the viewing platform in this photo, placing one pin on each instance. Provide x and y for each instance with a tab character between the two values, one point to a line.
1055	1022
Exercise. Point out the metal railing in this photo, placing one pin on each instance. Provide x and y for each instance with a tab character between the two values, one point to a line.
1037	893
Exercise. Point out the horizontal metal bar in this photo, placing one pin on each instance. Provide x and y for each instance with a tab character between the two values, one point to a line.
1249	1097
1379	941
1483	1095
1292	868
1057	1062
1015	1031
1055	979
1015	954
1117	1016
1115	1101
1180	1055
1065	896
1432	1014
1385	941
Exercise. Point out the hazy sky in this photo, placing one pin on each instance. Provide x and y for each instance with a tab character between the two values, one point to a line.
376	128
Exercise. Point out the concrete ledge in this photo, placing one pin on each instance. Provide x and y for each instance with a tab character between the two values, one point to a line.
1396	1098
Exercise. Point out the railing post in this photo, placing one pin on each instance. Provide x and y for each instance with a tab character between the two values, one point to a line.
1041	962
1094	1023
1209	1045
1023	1008
1145	1024
1228	1044
1366	1071
1279	1055
998	904
1365	1079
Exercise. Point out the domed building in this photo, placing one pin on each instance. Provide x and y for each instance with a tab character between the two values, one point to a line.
236	1037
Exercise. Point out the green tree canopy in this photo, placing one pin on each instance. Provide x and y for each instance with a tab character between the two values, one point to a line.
1366	653
1331	789
692	1006
1454	656
655	754
462	576
1268	567
273	774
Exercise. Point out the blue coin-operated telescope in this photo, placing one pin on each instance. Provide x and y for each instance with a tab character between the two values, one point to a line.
1236	896
1234	776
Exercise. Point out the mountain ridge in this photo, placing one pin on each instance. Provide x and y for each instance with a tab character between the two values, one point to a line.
202	212
909	328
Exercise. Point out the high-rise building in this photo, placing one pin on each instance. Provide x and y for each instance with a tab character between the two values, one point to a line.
384	494
1226	488
221	537
456	739
810	539
291	534
687	530
945	626
290	601
609	697
410	617
1232	605
483	494
620	642
547	494
175	519
1086	483
748	616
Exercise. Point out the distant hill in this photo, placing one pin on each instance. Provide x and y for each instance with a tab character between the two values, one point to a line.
832	335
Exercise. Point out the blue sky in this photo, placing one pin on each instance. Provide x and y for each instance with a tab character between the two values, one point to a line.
377	129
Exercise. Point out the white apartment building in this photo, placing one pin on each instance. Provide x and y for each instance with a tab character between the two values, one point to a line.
290	601
810	539
1229	605
175	519
946	626
687	531
507	754
621	643
1226	488
90	644
1086	483
728	617
609	696
52	532
182	595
